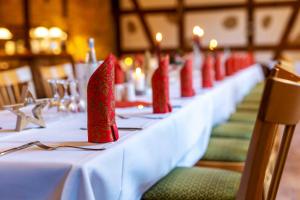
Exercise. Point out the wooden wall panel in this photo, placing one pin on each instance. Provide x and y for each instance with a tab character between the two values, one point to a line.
133	35
273	32
213	24
210	2
295	34
166	24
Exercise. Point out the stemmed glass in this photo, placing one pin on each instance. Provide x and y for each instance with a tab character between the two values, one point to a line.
54	87
76	104
65	100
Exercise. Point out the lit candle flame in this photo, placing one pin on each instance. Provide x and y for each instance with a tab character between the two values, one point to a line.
158	37
213	43
140	106
128	61
198	31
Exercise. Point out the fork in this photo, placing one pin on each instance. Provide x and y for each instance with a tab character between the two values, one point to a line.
52	148
139	116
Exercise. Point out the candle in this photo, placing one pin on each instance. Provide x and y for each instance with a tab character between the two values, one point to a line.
139	80
158	38
213	44
198	33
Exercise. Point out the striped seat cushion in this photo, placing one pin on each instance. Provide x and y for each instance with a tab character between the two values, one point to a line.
195	183
244	116
226	150
233	130
253	97
248	106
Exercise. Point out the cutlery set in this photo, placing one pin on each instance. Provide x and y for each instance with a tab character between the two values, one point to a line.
46	147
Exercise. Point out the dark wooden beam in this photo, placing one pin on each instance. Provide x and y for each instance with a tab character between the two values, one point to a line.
233	48
289	26
115	6
181	23
65	9
213	7
144	23
250	24
27	23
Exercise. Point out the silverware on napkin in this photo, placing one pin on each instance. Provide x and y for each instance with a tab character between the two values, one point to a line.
46	147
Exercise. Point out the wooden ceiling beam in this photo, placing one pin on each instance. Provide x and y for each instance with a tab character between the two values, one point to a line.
27	23
289	26
221	48
115	7
181	23
213	7
250	24
142	18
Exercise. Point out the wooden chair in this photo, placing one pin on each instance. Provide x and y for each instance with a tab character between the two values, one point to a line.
281	92
63	71
236	161
11	82
223	184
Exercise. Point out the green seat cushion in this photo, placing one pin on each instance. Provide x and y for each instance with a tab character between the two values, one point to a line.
250	106
197	183
253	97
244	116
226	150
233	130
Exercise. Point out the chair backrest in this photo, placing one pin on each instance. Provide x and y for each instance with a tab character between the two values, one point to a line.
280	72
11	83
63	71
280	105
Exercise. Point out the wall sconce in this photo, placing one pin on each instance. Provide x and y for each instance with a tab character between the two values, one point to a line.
5	34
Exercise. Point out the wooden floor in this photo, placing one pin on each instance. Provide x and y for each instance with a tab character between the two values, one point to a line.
290	183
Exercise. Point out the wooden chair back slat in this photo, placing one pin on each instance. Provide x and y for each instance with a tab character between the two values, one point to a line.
4	95
280	106
10	83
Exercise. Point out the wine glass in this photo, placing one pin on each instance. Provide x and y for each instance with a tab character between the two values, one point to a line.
56	98
65	100
76	101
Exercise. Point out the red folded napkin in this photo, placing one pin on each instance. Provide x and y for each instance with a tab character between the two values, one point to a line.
230	66
126	104
186	79
219	71
160	88
119	73
101	104
207	72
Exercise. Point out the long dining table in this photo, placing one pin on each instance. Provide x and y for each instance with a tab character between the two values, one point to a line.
128	167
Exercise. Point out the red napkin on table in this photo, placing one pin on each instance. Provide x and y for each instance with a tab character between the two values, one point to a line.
186	79
101	104
119	73
160	88
219	72
207	72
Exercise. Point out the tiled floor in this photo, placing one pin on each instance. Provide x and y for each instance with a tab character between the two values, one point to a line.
290	183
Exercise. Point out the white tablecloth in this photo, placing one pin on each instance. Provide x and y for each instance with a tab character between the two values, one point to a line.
127	167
